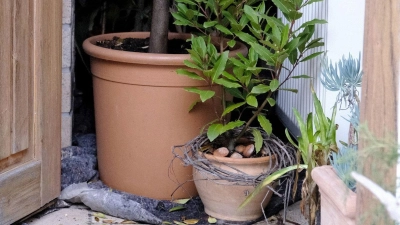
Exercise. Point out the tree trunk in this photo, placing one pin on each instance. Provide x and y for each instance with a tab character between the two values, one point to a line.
139	16
159	26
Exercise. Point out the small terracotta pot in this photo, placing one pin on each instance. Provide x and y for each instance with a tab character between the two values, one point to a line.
222	199
141	111
338	203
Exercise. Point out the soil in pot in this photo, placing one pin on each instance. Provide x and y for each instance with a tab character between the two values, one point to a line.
175	46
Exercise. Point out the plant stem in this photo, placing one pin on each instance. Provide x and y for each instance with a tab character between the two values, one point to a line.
159	27
259	109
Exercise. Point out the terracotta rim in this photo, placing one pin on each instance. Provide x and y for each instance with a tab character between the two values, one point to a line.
238	161
139	57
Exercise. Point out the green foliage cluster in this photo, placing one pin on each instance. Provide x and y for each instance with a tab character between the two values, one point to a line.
271	40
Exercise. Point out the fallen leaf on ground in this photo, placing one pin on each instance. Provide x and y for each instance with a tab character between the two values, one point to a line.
179	223
177	208
100	215
191	221
128	222
181	201
212	220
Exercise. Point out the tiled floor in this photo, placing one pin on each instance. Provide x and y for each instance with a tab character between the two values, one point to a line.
81	215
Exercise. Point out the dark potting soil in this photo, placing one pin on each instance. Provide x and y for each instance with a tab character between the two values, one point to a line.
175	46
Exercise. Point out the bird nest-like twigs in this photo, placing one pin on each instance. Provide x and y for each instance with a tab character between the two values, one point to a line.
193	154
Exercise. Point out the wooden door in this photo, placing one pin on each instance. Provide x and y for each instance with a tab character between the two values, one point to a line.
30	105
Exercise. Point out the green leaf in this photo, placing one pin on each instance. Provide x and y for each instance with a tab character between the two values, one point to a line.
179	223
235	93
214	130
260	89
292	45
177	208
268	180
251	100
193	105
294	15
265	124
311	56
251	14
191	65
223	29
209	24
302	76
227	83
204	94
264	53
293	56
229	76
285	35
180	20
181	201
313	22
271	102
283	5
231	43
225	3
232	107
231	125
314	44
312	1
189	74
305	36
274	84
258	139
245	37
237	62
220	65
289	137
289	89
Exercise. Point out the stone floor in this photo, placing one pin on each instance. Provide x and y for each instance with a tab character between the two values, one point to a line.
81	215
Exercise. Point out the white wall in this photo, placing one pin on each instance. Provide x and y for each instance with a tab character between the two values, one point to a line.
345	35
342	35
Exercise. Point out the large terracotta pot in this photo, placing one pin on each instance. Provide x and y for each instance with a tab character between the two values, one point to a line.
338	203
141	111
222	199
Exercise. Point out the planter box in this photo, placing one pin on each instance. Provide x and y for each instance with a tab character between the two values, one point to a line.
338	203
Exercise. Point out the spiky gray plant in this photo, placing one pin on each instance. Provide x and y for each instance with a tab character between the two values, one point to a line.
345	77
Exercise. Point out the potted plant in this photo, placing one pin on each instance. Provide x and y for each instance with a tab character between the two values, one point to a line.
141	112
232	157
336	186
